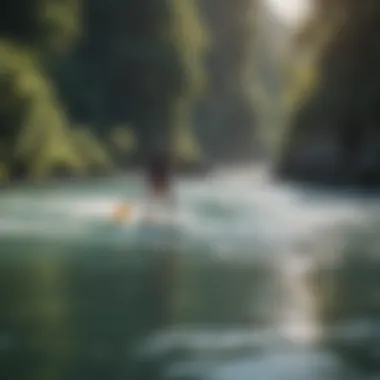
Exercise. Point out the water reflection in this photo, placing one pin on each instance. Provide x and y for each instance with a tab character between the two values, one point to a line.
98	307
34	315
66	315
349	301
71	312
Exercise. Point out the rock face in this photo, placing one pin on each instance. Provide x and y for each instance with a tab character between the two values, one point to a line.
369	159
330	158
313	156
334	134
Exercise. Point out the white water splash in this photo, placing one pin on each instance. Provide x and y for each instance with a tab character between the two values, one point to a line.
233	213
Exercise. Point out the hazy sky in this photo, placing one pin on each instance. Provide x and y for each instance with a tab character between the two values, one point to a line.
291	11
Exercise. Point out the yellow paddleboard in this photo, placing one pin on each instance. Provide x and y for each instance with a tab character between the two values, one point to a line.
122	213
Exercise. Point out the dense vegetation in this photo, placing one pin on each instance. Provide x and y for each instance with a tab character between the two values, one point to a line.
140	66
90	85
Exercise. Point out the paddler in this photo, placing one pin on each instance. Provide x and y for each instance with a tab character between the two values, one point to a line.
159	173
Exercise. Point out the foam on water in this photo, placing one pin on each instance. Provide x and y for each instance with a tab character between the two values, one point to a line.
227	209
233	213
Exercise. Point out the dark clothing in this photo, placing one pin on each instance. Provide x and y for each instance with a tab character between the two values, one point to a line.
159	173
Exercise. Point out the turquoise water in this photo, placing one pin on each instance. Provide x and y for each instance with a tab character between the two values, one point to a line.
253	280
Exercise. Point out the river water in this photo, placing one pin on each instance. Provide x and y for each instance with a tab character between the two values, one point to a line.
252	280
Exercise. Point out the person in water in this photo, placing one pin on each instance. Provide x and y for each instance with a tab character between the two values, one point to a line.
159	178
159	181
159	172
158	175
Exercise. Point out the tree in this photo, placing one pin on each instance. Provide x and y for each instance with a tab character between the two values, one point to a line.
140	65
35	132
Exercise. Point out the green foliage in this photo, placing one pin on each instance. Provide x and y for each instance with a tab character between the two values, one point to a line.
48	26
188	35
4	177
153	76
123	140
186	148
59	24
91	153
35	136
34	129
35	132
167	59
178	83
304	80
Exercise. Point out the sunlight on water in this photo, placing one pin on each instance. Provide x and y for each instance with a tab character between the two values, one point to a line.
239	208
298	319
244	220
